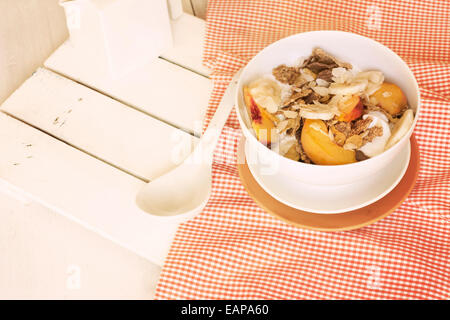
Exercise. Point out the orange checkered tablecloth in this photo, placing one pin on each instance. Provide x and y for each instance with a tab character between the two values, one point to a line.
235	250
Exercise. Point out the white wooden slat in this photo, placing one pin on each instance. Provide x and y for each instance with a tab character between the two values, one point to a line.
42	251
81	188
161	88
97	124
188	37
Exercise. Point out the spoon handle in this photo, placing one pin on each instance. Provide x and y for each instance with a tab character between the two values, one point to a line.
211	136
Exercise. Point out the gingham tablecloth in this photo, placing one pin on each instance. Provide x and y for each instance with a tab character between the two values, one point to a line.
235	250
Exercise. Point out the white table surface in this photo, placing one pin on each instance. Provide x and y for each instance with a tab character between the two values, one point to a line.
76	145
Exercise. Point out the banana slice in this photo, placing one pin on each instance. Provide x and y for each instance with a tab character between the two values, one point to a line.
341	75
348	89
401	128
318	111
375	77
266	93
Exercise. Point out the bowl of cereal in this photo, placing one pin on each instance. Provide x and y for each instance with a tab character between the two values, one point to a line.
327	108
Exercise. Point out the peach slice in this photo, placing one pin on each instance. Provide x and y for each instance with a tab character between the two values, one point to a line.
319	147
351	108
263	122
390	97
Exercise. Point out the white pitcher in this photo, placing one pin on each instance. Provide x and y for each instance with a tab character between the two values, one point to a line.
119	35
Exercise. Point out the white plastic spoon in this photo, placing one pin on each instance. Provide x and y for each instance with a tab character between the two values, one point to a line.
183	192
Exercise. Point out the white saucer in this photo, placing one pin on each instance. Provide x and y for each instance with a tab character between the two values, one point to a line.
333	199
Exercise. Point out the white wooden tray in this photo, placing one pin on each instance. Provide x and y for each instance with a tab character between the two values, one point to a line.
83	145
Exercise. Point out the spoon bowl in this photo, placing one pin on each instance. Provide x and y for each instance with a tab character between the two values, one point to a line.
182	191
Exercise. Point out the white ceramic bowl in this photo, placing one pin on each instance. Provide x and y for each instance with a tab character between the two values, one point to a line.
361	52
